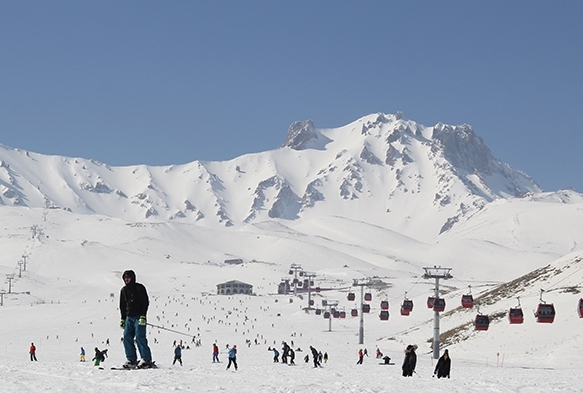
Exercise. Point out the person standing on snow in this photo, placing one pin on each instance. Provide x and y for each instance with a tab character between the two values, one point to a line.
443	365
275	355
82	355
410	361
215	353
315	356
133	305
360	356
232	357
32	352
177	354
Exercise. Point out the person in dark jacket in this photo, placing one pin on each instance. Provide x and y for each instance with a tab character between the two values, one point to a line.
410	361
177	355
315	356
133	305
443	365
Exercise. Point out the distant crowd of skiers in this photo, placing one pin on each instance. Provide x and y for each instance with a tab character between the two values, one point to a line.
134	304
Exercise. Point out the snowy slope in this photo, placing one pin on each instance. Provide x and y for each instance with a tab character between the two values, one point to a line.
74	263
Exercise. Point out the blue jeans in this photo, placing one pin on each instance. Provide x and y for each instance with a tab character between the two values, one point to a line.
133	329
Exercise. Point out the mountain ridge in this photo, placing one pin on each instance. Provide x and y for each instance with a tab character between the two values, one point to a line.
381	168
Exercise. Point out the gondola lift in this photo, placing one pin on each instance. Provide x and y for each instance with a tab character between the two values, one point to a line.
439	304
515	314
407	306
545	313
468	299
481	322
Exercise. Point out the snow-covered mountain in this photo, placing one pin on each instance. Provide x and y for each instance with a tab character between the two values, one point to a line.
380	169
379	198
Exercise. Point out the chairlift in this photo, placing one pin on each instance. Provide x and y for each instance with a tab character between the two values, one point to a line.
384	315
439	304
384	305
545	313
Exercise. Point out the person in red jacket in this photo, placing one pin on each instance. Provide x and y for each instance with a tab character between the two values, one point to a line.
32	352
215	353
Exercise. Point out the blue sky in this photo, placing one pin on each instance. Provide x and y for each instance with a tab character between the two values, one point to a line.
160	83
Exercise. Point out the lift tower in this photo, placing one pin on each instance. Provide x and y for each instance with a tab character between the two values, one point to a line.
436	273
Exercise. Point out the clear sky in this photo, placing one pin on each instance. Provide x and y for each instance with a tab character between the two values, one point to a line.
160	83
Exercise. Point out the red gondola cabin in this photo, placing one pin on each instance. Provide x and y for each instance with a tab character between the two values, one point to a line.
368	297
580	308
545	313
439	305
430	301
467	301
482	322
384	315
384	305
366	308
515	316
354	312
351	296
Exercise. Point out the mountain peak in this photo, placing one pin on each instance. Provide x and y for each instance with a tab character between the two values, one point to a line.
300	135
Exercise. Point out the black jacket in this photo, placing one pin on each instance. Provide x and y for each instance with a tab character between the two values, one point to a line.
133	300
443	367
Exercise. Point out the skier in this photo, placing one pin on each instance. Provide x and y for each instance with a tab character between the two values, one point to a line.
379	353
232	357
177	355
32	352
275	355
215	353
410	361
285	351
99	356
443	365
292	356
315	356
133	305
360	356
82	355
325	357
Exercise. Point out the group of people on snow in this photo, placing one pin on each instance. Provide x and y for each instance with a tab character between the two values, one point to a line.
134	303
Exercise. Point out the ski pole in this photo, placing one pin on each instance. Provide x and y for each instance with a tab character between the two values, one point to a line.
170	330
417	374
